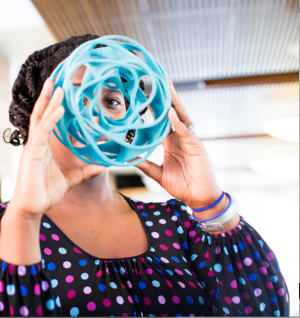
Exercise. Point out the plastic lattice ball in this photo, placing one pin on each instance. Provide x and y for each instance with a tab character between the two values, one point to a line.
114	67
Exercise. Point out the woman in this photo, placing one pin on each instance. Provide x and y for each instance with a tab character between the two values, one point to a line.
104	254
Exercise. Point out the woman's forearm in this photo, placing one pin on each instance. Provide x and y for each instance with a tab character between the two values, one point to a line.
19	237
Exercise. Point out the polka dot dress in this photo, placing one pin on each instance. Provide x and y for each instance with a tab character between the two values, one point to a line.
184	272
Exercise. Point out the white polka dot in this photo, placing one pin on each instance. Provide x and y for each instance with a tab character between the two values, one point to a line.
162	221
47	225
155	234
66	264
87	290
22	270
120	300
164	260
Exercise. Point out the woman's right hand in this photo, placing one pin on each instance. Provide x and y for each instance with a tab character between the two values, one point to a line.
41	184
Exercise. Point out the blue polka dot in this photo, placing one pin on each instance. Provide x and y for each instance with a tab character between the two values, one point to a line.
62	250
82	262
156	213
74	312
218	267
3	266
47	225
51	266
113	285
122	271
160	271
57	301
134	314
261	243
152	249
242	281
178	315
277	313
201	300
149	223
177	213
10	289
183	207
235	248
101	287
157	260
273	279
179	230
184	259
185	246
209	240
142	285
274	299
169	271
136	298
175	259
226	310
50	304
193	257
23	290
226	250
97	262
255	255
155	283
172	202
203	284
54	283
252	277
241	245
144	214
149	259
216	296
262	306
202	264
278	268
115	269
230	268
189	299
33	270
84	276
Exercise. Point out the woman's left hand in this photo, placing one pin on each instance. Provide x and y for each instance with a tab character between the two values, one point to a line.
186	172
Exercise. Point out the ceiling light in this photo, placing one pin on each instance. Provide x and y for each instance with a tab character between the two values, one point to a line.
283	128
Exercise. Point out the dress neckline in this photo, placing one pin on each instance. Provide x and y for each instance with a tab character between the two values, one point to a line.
133	206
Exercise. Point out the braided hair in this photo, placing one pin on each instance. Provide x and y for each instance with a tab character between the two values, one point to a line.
29	83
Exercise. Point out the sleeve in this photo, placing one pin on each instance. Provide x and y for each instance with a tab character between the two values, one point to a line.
237	269
26	290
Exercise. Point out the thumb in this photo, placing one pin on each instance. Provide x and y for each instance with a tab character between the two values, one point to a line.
78	175
152	170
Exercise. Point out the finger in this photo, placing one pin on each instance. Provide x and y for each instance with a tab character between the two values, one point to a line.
78	175
55	102
178	105
179	126
151	169
41	104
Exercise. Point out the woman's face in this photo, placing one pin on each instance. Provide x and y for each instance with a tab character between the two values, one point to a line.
112	103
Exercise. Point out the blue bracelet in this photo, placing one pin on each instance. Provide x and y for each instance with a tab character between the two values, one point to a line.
216	216
212	205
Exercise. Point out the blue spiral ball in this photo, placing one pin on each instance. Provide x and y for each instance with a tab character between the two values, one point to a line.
105	66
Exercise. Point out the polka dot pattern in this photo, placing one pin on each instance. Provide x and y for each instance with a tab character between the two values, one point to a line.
182	273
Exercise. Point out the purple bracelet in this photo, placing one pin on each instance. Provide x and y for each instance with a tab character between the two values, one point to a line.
210	206
216	216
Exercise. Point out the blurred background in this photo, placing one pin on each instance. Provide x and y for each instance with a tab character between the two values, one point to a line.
235	65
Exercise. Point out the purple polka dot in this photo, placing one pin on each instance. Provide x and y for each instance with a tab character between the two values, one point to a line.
248	240
269	285
45	285
129	284
91	306
161	300
87	290
233	284
280	292
42	237
55	237
71	294
192	284
22	270
169	283
168	209
248	310
176	245
151	206
245	295
187	224
176	299
178	271
163	259
139	206
287	297
69	279
47	251
149	271
39	310
239	265
155	234
257	292
120	300
124	315
266	264
163	247
270	256
24	311
169	232
263	271
37	289
192	233
1	306
236	299
77	250
218	250
181	284
2	287
147	301
130	299
247	261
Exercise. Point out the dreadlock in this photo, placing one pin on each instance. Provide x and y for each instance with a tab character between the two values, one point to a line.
29	83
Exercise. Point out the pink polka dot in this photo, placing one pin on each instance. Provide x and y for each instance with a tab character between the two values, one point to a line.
169	283
263	271
37	289
245	295
147	301
239	265
176	299
139	206
248	310
269	285
163	247
270	256
120	300
247	261
98	274
236	299
257	292
169	232
192	284
187	224
211	292
287	297
228	300
47	251
87	290
181	284
55	237
42	237
11	269
178	271
176	245
197	240
39	310
124	315
129	284
210	274
151	206
168	209
166	315
130	299
266	264
149	271
71	294
24	311
280	292
192	233
248	239
229	233
218	250
233	284
161	299
45	285
107	271
207	256
11	310
66	264
141	259
138	272
2	287
91	306
77	250
69	279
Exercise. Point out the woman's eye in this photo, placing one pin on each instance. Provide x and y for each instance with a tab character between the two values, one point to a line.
112	102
